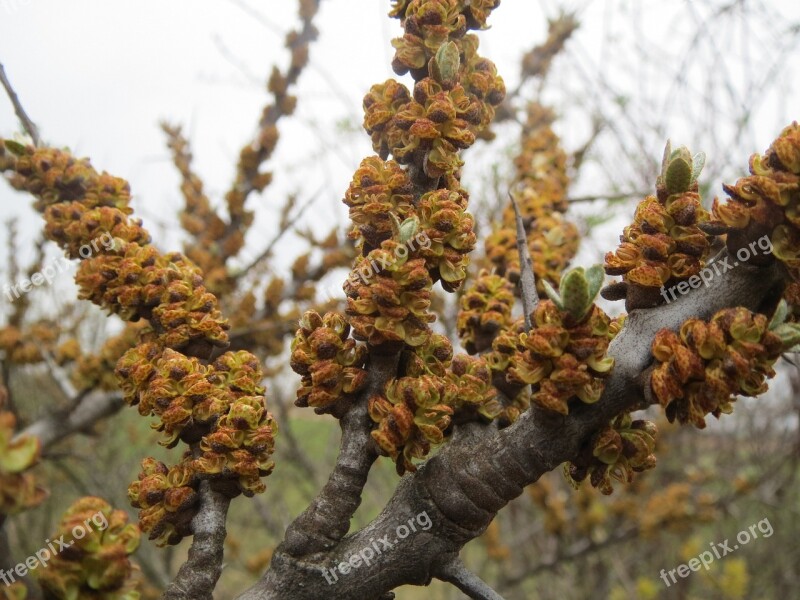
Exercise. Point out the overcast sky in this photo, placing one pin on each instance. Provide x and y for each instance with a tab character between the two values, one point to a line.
98	77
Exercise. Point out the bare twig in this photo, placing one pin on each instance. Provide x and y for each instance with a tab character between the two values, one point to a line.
30	127
271	246
527	279
455	571
609	197
61	378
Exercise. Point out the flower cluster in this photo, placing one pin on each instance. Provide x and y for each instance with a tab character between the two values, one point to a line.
564	354
665	244
515	394
237	453
407	429
186	395
97	565
330	362
702	369
540	191
217	408
455	92
18	488
167	499
485	310
472	394
250	176
676	508
199	219
132	279
766	202
449	228
379	189
453	99
391	306
25	346
415	411
618	451
412	416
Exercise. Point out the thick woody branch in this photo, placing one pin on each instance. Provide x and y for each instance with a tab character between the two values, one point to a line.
469	480
198	576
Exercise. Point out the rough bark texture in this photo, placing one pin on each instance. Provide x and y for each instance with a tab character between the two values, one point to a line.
198	576
481	469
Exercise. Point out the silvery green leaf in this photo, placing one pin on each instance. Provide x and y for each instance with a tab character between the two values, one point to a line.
781	312
552	294
698	162
595	276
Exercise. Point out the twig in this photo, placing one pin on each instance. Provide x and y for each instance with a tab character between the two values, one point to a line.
271	246
455	571
27	124
527	279
609	197
61	379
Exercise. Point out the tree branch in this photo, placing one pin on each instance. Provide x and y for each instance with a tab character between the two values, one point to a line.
327	519
454	571
527	279
198	576
58	425
30	127
463	486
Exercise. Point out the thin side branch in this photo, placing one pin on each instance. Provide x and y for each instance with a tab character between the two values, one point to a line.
527	279
30	127
456	572
267	252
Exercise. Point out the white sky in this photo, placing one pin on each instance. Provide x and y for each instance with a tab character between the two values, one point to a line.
99	76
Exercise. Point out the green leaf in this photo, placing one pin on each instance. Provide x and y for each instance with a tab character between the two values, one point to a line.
698	162
665	158
595	276
20	455
678	177
446	64
575	293
781	312
408	228
789	334
14	147
552	294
